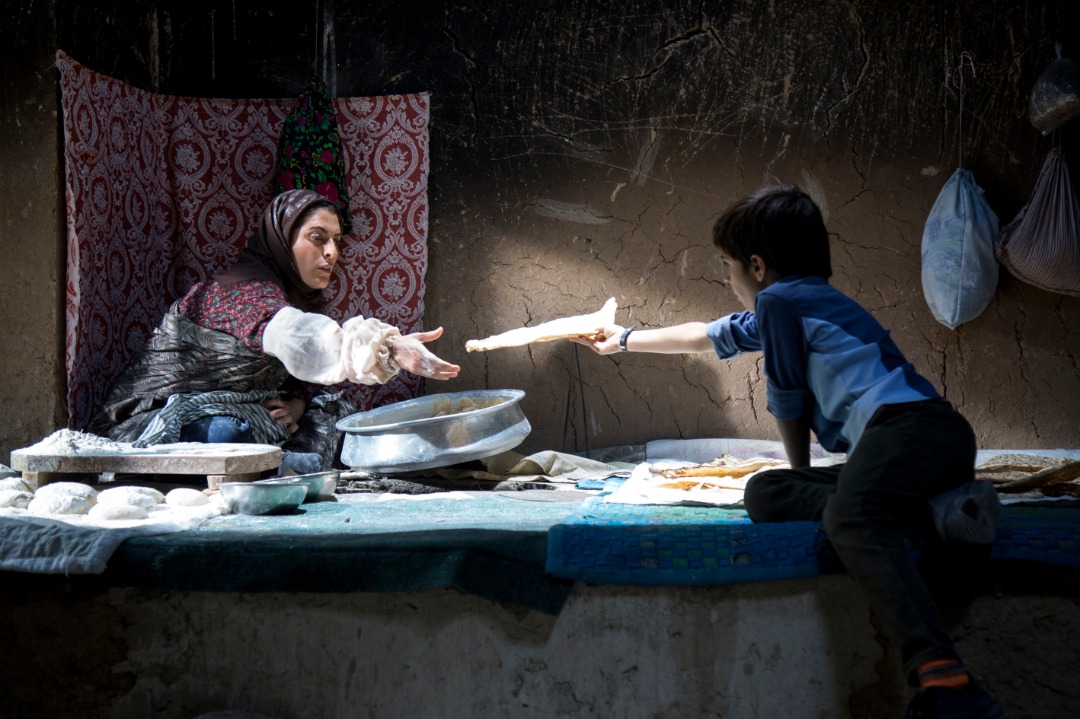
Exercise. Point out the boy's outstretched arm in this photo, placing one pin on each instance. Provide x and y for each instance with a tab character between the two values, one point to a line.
795	434
677	339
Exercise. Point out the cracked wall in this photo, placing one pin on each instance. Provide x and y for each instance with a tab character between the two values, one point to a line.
600	143
582	150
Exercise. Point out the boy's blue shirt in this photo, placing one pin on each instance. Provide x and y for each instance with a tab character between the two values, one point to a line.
825	356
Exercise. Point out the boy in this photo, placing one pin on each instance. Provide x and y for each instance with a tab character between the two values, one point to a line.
831	368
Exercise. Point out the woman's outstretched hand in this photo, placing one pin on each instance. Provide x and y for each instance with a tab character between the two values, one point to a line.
605	342
411	354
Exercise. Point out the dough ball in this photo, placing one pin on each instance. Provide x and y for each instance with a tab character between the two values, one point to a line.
15	498
63	498
20	483
144	497
186	497
116	511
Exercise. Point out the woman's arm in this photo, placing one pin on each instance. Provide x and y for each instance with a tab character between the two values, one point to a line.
314	348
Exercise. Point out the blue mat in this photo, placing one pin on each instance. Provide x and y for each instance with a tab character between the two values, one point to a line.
607	543
491	544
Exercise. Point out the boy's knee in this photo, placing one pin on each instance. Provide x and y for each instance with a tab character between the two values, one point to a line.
841	509
756	499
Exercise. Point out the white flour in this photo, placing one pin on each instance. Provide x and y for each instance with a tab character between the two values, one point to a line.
70	442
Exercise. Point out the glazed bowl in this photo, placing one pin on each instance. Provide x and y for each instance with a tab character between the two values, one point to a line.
436	430
262	498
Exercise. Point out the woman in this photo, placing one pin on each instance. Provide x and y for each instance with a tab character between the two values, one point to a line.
234	360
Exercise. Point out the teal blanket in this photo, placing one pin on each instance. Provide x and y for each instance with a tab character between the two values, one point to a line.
492	544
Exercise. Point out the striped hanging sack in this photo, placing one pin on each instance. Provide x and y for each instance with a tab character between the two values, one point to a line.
1041	246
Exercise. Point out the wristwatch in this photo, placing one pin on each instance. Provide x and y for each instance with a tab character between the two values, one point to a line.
622	339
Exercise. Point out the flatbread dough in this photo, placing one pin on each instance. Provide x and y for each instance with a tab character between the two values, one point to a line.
557	329
186	497
63	498
116	511
726	466
16	498
143	497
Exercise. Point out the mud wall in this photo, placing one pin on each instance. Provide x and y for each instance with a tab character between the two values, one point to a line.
31	230
582	150
798	648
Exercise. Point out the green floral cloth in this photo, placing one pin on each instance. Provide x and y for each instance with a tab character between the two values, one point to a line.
309	151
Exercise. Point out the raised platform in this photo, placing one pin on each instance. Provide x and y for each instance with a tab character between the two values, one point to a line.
219	462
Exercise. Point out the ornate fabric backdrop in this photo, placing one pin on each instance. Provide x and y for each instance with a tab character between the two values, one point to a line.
162	191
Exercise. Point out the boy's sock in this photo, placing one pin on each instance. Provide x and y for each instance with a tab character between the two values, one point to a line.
969	700
943	673
968	513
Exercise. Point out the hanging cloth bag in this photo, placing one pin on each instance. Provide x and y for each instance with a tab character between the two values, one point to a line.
1041	246
959	269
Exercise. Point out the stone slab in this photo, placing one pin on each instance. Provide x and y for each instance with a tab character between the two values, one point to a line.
179	458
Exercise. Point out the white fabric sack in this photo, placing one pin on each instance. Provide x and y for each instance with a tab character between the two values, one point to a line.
959	268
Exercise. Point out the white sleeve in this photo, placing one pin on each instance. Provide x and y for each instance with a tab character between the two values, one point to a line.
314	348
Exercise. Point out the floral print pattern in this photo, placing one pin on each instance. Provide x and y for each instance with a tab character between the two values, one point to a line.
309	154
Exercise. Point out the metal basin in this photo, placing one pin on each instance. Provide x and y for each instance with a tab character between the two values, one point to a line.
319	485
258	498
434	431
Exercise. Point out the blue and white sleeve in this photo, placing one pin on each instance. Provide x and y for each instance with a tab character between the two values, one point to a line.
784	345
734	334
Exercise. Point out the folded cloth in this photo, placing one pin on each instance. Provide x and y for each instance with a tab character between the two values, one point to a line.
706	449
42	545
968	513
546	466
648	485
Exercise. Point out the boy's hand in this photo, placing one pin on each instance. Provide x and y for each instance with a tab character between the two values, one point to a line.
604	342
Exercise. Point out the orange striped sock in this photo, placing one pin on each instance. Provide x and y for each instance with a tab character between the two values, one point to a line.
943	673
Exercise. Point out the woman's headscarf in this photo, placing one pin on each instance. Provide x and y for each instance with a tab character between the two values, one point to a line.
268	254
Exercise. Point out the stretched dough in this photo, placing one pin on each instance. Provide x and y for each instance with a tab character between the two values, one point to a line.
557	329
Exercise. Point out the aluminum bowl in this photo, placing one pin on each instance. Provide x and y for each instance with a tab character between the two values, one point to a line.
319	485
262	498
437	430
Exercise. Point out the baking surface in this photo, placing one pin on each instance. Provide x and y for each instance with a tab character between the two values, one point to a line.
179	458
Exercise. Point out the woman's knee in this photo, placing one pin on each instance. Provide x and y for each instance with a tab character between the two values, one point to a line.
219	429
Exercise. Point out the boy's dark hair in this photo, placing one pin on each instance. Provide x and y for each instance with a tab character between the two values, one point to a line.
783	225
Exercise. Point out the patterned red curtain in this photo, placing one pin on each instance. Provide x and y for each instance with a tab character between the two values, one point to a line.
162	191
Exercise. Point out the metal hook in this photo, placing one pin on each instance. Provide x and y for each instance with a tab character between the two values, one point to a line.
958	73
957	80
